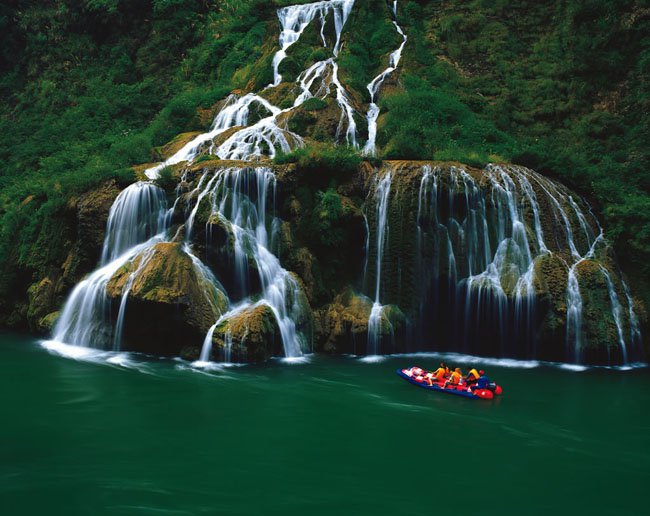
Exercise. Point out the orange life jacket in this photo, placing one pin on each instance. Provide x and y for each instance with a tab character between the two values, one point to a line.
440	373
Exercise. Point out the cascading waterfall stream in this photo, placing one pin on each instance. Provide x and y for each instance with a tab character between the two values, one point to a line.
265	137
138	213
375	85
294	19
574	316
617	312
382	195
137	220
235	113
499	232
239	196
487	237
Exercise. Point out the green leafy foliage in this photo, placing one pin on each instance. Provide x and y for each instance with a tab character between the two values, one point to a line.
328	160
325	218
89	88
559	87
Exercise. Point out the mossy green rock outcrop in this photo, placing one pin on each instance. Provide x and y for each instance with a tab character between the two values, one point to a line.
253	335
170	303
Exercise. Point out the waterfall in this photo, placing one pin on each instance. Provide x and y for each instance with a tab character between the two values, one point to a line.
617	312
266	136
239	196
137	214
234	113
119	325
294	19
485	240
375	85
382	195
137	221
574	316
206	348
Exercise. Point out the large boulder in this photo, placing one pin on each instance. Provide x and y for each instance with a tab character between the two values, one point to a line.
41	300
252	335
248	335
172	301
342	326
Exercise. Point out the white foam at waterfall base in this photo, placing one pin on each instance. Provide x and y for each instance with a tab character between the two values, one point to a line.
130	361
71	351
382	196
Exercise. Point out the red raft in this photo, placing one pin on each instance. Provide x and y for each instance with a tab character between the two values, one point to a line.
426	380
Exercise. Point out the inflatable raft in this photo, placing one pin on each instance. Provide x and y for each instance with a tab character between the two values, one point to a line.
426	380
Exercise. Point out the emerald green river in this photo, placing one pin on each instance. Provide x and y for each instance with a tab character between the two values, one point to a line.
124	434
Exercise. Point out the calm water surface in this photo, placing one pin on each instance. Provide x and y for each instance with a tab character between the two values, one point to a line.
124	435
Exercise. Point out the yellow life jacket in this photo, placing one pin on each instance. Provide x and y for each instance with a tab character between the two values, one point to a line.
455	378
474	374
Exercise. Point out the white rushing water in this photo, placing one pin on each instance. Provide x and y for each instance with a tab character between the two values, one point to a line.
374	86
500	234
382	196
137	214
294	19
137	221
235	112
239	196
263	135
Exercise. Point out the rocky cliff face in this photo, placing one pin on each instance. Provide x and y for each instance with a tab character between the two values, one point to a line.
87	216
479	261
280	239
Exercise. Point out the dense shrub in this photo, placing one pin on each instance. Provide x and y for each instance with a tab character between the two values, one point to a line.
330	160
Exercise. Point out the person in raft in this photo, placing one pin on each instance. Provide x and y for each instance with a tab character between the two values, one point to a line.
455	379
483	382
442	372
473	376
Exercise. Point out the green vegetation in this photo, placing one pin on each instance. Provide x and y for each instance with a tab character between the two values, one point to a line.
325	217
314	104
560	87
328	160
166	179
88	89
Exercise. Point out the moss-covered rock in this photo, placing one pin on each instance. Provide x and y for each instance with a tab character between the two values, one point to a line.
92	210
41	301
342	325
600	333
251	335
172	147
46	324
171	301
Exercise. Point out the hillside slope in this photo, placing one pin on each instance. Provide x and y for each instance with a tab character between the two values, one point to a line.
89	90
